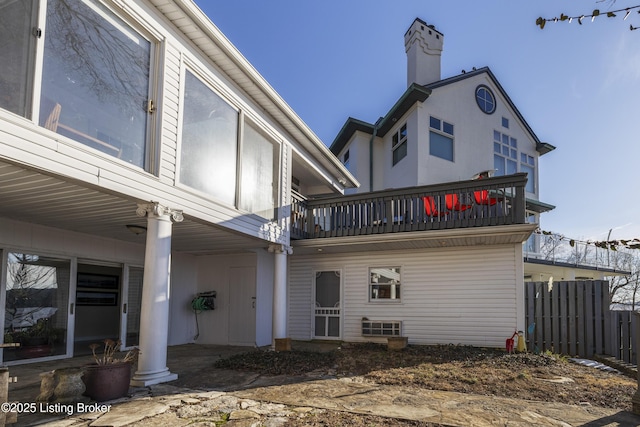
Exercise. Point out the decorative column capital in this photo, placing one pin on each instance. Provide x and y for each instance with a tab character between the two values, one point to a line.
156	209
280	249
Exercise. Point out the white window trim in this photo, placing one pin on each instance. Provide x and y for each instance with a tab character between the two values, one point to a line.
384	300
446	135
243	119
245	115
137	22
401	140
518	158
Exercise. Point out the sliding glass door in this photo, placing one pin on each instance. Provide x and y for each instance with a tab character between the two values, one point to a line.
131	305
36	298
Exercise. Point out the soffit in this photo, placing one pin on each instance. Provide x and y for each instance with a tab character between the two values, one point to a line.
478	236
32	197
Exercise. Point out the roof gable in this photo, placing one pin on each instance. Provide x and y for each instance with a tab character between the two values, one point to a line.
414	93
420	93
541	147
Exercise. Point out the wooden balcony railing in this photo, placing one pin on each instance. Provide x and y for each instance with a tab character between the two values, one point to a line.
476	203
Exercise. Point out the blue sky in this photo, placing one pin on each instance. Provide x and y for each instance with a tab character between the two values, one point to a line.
577	86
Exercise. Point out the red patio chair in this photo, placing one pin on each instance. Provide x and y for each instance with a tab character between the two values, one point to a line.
482	198
430	207
453	204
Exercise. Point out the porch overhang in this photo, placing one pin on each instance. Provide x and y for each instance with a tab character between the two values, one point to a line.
541	269
538	206
32	197
428	239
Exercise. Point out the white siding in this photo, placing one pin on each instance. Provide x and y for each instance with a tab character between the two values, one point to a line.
264	297
214	274
182	327
300	301
453	295
170	107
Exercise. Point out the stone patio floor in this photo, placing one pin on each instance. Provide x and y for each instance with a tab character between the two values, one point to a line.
201	395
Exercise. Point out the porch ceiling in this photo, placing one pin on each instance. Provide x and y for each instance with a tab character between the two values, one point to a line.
494	235
32	197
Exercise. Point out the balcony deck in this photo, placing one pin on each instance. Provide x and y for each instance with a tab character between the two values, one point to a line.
476	203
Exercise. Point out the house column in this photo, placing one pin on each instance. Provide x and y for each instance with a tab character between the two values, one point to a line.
154	315
280	340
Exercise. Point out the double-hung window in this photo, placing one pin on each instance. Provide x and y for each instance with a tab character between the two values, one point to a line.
399	144
95	74
384	284
440	139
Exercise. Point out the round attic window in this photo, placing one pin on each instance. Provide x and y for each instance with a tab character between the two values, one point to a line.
485	99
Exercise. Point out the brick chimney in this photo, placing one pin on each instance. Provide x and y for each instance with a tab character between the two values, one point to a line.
423	44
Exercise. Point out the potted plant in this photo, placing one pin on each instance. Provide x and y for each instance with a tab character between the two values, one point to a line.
109	376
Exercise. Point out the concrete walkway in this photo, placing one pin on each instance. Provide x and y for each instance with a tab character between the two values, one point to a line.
203	396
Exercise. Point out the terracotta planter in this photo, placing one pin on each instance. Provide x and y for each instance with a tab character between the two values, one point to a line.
107	382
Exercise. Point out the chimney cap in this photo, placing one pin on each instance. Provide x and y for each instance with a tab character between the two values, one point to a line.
422	22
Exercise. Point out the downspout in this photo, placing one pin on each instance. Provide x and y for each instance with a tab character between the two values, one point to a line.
373	135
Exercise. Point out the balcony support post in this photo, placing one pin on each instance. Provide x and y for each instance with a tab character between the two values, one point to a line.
279	322
154	314
519	208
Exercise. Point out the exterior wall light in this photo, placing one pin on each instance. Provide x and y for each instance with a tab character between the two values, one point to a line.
136	229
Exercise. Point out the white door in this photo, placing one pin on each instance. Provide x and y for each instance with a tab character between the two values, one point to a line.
242	305
327	305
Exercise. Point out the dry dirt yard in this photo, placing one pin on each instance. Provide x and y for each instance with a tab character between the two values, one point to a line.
465	369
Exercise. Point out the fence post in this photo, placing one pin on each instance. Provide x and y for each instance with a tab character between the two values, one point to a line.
635	400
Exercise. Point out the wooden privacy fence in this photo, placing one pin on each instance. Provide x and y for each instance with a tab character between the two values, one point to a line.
570	317
622	336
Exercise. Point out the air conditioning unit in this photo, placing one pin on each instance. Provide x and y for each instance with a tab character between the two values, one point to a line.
381	328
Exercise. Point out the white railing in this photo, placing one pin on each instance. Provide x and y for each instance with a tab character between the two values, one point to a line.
558	249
